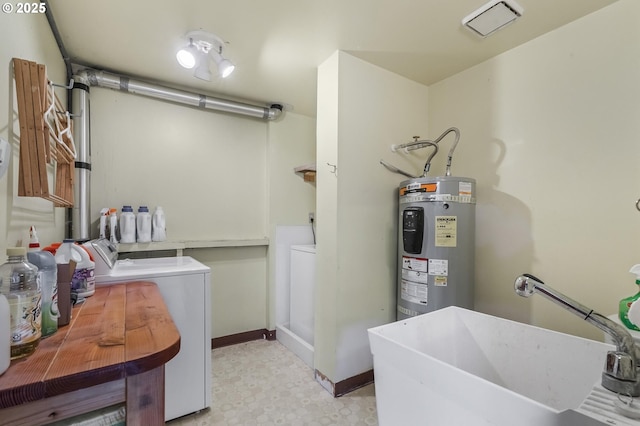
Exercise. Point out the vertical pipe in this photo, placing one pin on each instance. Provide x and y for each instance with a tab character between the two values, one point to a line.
81	214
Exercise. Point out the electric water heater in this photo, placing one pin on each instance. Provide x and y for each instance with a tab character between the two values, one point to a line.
436	242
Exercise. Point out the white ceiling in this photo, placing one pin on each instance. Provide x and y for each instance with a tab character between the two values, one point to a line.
277	45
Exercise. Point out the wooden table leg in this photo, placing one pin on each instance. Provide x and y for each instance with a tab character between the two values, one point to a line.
145	398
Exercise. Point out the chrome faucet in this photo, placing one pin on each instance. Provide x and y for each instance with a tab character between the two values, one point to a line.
621	371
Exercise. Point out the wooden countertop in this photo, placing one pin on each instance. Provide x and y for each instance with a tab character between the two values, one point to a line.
123	330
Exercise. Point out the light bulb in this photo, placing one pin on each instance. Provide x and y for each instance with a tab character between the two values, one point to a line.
225	68
187	55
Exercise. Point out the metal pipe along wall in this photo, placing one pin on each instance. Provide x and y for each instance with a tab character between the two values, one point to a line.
129	85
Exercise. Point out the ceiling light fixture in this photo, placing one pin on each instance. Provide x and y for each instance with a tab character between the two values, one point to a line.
492	16
204	47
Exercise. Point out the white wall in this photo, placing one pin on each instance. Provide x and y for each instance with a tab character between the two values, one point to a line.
362	111
550	131
25	37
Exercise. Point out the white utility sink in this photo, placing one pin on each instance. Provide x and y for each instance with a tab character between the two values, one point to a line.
459	367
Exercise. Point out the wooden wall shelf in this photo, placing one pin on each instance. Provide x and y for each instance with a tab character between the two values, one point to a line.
46	136
308	172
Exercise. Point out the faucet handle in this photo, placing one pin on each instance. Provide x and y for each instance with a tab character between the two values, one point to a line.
620	365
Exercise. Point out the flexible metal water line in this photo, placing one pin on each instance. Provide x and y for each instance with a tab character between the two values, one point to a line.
419	144
411	146
394	169
427	165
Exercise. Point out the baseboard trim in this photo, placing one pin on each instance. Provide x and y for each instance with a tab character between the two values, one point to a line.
345	386
247	336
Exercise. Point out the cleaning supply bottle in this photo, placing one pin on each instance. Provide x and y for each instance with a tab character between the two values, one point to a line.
158	225
48	278
83	282
144	225
34	243
113	225
66	259
104	216
19	284
630	307
127	225
5	334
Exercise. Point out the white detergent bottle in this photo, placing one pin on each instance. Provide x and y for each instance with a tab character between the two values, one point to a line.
143	222
5	334
127	225
158	228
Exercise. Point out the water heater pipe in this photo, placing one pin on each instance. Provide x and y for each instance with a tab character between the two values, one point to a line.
420	144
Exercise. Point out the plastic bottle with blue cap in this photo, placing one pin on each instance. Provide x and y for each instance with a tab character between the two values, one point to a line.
127	225
143	222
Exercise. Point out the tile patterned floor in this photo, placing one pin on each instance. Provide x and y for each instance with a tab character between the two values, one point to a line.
261	383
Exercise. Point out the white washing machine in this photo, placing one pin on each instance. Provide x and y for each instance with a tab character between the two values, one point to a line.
185	287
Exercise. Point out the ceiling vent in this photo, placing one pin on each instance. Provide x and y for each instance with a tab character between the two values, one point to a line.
492	16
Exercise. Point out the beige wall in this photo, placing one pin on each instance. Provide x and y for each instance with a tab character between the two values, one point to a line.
550	131
362	111
206	169
291	199
218	177
25	37
238	288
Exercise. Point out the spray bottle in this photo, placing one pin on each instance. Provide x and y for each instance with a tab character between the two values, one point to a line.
630	307
113	225
104	215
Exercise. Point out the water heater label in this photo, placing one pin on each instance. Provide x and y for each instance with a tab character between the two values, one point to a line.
439	281
439	267
414	264
446	231
418	187
413	292
464	189
415	276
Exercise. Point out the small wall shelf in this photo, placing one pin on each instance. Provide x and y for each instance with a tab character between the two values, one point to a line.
180	246
308	172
